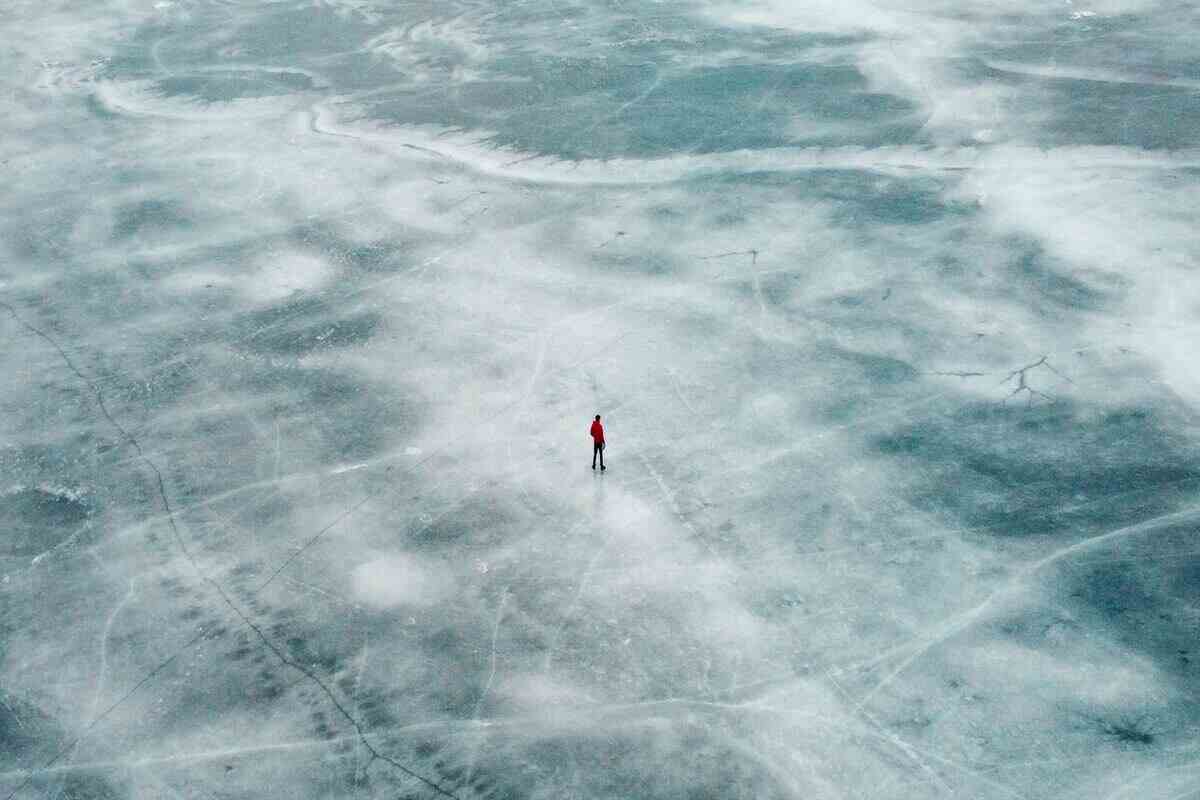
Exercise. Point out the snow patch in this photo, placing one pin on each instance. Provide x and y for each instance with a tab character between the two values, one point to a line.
283	274
401	580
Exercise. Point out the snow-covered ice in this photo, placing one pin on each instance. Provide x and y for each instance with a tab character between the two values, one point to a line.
889	309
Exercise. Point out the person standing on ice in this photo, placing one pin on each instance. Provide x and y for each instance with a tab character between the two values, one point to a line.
597	442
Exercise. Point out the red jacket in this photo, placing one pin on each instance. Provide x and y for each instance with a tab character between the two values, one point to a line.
597	432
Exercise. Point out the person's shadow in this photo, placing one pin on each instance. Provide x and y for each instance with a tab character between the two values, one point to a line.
598	493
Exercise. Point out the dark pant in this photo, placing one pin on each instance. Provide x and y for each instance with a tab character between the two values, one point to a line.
598	447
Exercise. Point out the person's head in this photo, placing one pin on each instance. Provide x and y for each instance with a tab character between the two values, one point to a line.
597	418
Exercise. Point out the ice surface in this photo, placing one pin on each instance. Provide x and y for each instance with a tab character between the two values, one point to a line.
890	310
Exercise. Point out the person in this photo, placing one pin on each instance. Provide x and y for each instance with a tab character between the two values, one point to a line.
597	442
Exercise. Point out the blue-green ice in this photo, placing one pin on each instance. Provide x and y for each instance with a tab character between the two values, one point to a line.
890	310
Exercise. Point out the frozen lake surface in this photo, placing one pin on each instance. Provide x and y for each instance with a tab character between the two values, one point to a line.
890	309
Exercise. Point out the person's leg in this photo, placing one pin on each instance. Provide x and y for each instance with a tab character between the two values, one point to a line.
595	449
601	457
